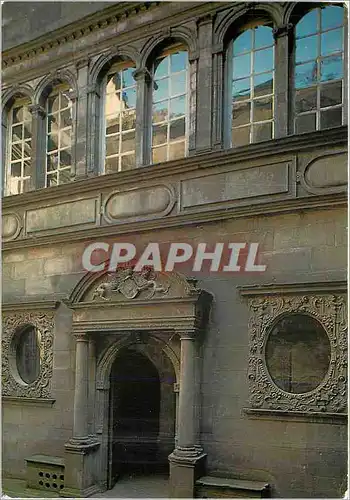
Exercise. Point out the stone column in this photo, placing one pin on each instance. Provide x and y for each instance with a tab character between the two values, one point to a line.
187	460
143	114
282	78
204	92
80	467
38	146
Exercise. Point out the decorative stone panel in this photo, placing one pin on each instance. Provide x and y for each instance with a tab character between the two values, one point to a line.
11	383
330	311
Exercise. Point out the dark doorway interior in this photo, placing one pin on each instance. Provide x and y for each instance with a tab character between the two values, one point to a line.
134	415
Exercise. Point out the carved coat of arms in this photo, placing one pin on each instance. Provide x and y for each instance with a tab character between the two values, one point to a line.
129	283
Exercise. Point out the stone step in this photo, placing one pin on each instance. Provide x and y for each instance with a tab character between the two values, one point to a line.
219	487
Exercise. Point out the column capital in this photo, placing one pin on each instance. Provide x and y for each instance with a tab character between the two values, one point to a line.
37	111
283	30
188	334
142	73
81	337
93	88
82	63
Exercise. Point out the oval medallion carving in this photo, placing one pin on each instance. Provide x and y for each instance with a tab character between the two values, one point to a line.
328	172
11	226
139	203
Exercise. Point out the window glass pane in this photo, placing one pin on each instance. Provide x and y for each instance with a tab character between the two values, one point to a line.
128	142
308	24
176	151
306	99
262	132
162	68
52	162
178	61
52	123
65	138
331	17
263	37
16	169
305	75
331	42
177	106
306	49
331	94
65	100
263	84
159	133
17	114
177	129
305	123
66	118
111	165
65	158
64	176
129	98
52	142
240	136
128	80
241	114
331	68
53	104
26	187
178	84
241	89
331	118
127	162
243	43
160	112
112	124
159	154
298	353
262	109
112	145
128	120
27	171
16	151
52	179
263	60
17	133
241	66
161	89
27	149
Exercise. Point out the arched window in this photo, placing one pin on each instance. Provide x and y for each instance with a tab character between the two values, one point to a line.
19	165
59	124
319	69
170	105
250	92
119	111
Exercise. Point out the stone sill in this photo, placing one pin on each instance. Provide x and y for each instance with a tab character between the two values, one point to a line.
19	401
303	416
237	484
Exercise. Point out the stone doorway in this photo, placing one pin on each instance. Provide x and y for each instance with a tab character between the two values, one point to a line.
135	396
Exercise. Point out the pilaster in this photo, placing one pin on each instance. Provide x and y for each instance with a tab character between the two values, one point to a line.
282	77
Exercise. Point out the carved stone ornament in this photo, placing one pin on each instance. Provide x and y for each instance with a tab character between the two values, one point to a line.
11	383
330	312
129	283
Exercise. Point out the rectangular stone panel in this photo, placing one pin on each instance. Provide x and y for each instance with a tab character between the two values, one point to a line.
63	215
236	185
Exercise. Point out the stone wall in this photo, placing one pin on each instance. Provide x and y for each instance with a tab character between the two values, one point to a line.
299	458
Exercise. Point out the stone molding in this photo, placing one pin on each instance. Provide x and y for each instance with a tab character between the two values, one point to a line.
330	311
11	384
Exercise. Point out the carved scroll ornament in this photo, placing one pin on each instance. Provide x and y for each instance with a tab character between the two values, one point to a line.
11	383
331	394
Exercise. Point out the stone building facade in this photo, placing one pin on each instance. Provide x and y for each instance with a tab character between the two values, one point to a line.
176	122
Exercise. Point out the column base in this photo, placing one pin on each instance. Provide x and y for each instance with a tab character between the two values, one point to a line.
186	466
80	468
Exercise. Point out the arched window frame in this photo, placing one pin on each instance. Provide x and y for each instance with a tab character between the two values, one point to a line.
241	25
17	102
166	49
299	12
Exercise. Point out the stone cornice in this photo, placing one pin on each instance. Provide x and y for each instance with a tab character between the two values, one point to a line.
290	288
334	137
30	305
303	416
74	31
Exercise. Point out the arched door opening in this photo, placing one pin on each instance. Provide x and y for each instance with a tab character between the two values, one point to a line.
135	392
